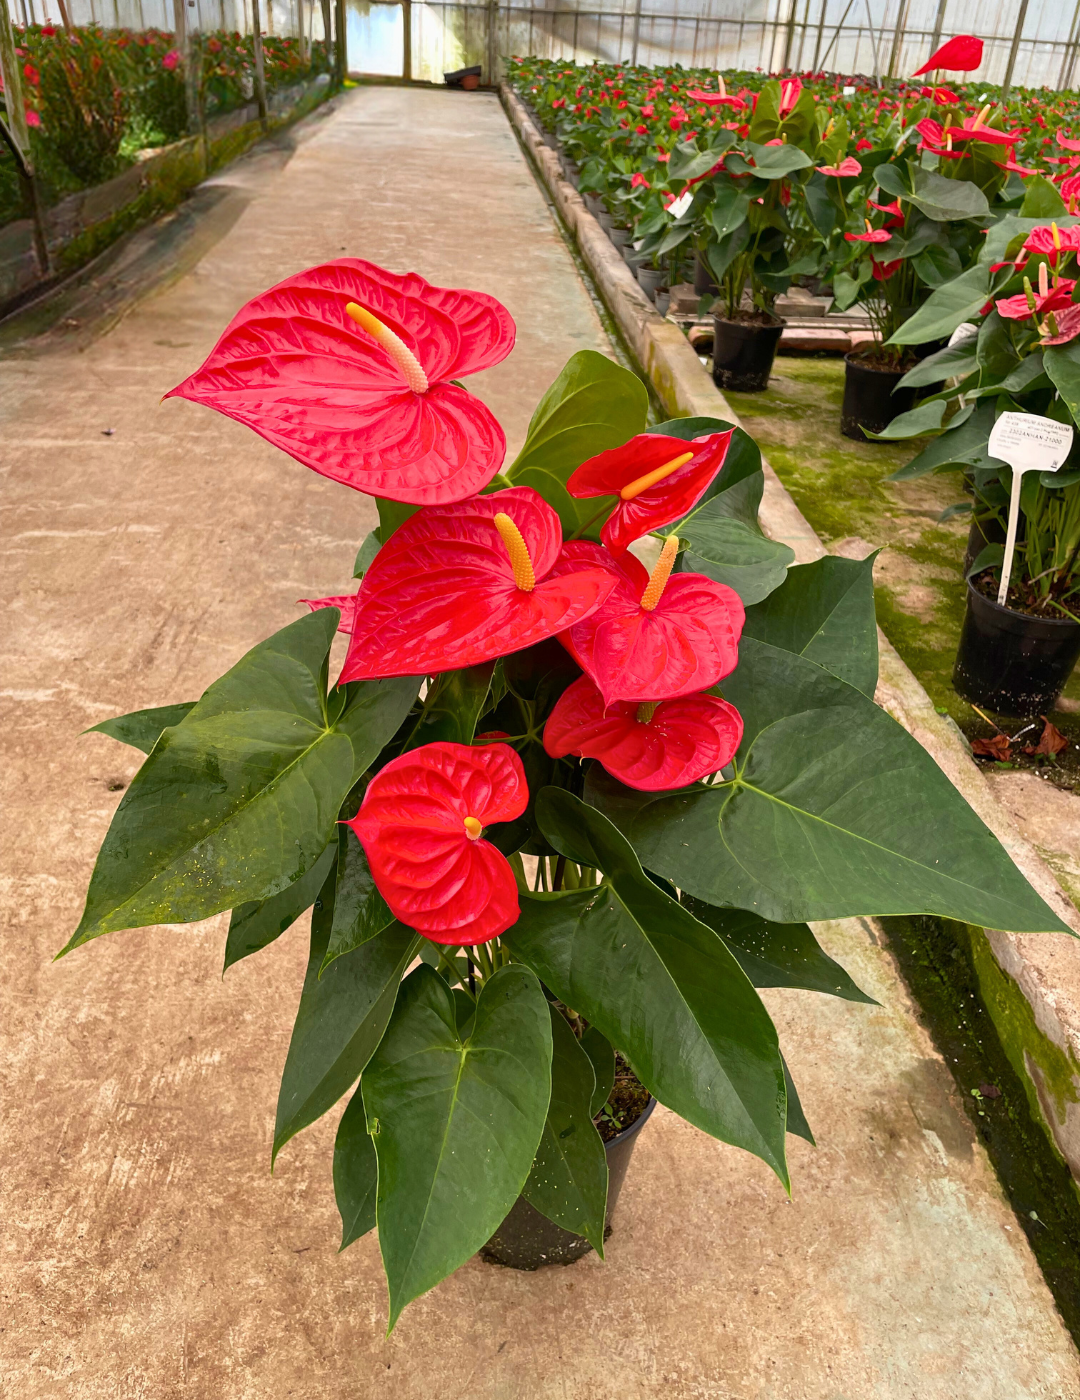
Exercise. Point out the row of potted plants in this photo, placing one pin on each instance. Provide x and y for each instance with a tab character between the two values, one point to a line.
878	198
560	816
95	96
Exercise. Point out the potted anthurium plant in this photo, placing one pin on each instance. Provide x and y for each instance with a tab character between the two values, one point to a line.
1020	353
560	815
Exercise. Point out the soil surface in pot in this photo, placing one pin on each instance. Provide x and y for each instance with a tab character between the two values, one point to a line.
744	317
627	1101
884	363
1022	599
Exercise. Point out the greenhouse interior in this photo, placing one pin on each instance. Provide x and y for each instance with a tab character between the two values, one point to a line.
545	540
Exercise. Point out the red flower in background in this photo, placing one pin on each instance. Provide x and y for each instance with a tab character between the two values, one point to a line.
656	478
653	638
1053	240
872	235
420	825
790	92
460	584
1066	326
652	747
638	181
171	59
959	55
864	145
848	166
348	368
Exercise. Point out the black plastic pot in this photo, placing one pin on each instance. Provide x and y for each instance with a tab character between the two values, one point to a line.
1012	663
704	281
528	1240
869	401
743	353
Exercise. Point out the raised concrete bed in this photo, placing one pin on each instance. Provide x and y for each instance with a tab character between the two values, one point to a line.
81	225
1030	982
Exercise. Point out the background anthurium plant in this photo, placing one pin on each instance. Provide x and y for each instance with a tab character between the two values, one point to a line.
691	756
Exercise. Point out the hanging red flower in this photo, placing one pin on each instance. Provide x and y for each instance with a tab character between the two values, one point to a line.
656	478
654	637
460	584
348	368
872	235
959	55
346	604
848	166
652	747
420	825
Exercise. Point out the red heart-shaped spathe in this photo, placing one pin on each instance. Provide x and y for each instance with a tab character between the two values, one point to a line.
620	467
436	878
686	643
441	594
682	741
295	367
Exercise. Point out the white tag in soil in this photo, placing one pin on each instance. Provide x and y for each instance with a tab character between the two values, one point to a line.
1029	443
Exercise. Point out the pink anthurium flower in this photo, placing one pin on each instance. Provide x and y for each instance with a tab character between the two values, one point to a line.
848	166
656	478
1061	326
348	368
652	746
654	637
790	92
1049	298
421	824
463	583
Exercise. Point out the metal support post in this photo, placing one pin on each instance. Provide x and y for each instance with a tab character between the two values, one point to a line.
493	42
789	38
637	35
341	40
1007	84
260	65
898	38
17	135
406	32
939	26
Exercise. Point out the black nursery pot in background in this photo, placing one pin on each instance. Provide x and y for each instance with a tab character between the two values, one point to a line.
869	401
704	281
528	1240
743	353
1010	662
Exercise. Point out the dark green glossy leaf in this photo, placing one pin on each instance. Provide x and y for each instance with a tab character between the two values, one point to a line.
340	1020
594	404
392	515
825	612
1042	200
962	445
775	162
1062	364
142	728
658	983
943	364
366	554
599	1050
944	200
356	1173
946	308
777	955
722	252
891	179
452	706
733	553
360	912
688	163
239	800
729	209
258	923
569	1179
456	1121
835	810
915	423
796	1118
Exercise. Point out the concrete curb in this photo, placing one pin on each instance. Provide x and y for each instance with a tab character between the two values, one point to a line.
1043	968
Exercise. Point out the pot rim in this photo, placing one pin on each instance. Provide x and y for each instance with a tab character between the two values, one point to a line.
635	1127
853	363
993	606
777	321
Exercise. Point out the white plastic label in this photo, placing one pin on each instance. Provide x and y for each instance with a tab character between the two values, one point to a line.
962	332
1029	442
678	207
849	92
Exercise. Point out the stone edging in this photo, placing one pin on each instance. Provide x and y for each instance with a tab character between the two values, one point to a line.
1044	967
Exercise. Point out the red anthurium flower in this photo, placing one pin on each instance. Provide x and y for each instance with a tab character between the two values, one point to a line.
1053	240
1070	192
638	181
1031	303
864	145
460	584
872	235
959	55
1011	165
420	825
654	637
652	747
848	166
1068	143
716	99
884	270
346	604
656	478
790	92
1061	326
893	208
348	368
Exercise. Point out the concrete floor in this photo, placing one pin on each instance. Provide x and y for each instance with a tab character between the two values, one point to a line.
146	1252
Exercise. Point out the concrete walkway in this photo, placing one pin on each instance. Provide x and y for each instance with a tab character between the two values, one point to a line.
145	1250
